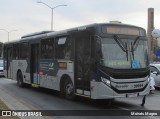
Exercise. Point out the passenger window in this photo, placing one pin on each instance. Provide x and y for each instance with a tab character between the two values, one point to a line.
47	48
15	51
23	50
63	48
62	41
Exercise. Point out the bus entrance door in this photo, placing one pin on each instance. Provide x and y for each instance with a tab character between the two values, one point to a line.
35	65
82	62
9	62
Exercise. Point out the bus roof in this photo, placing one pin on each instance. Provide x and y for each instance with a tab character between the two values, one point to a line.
34	34
44	34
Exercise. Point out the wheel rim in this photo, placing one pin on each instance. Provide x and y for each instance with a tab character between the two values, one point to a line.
69	89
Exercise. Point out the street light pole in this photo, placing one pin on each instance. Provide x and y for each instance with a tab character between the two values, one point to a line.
52	20
52	8
8	32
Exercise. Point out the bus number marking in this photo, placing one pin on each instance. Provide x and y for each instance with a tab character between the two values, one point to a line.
81	28
138	85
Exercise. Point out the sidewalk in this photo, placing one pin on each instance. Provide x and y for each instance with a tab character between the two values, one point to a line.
4	107
14	103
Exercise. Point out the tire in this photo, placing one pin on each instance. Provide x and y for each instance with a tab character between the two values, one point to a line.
69	90
20	79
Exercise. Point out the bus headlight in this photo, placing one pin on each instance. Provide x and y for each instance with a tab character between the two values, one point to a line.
105	81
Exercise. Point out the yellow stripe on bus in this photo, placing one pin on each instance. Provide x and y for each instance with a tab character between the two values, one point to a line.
82	95
35	85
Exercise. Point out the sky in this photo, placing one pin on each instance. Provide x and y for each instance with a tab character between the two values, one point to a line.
28	16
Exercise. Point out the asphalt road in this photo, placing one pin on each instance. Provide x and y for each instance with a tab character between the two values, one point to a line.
42	99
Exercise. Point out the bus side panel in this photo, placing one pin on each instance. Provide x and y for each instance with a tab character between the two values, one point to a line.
15	67
21	65
8	71
9	62
47	73
65	68
51	72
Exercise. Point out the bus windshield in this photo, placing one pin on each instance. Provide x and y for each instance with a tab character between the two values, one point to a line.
125	53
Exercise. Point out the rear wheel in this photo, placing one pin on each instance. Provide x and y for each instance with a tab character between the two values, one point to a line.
20	79
69	90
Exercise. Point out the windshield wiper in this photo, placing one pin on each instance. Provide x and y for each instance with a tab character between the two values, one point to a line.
134	45
121	44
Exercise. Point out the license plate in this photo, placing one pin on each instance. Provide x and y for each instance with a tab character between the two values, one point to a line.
132	95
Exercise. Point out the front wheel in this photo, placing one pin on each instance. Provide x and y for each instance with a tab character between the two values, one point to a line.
69	90
20	79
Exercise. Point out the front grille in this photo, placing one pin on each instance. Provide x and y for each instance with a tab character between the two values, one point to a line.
126	73
129	76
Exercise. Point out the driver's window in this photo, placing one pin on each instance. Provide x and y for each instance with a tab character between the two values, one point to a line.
154	69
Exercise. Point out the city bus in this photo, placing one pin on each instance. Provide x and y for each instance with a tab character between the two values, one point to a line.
97	61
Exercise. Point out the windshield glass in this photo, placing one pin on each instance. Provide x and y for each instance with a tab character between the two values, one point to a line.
124	53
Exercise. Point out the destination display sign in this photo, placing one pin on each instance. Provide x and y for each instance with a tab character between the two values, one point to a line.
122	30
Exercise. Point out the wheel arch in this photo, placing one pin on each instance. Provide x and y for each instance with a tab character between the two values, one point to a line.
63	79
20	78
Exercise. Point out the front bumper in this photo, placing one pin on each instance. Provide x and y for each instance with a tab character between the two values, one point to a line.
102	91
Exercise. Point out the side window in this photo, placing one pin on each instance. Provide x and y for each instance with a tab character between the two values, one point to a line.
153	69
1	49
15	51
23	50
63	48
10	52
47	48
5	52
